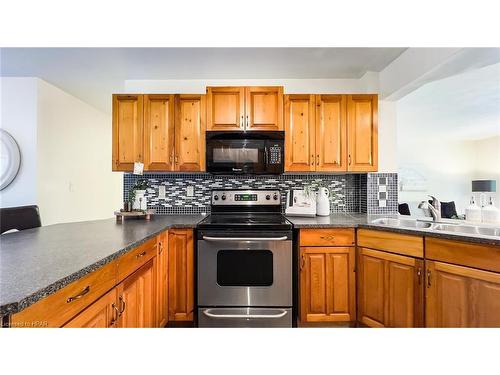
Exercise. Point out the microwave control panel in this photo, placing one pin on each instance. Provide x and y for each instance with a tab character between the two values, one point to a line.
275	154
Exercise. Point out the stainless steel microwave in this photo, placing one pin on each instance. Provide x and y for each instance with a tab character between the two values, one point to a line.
245	152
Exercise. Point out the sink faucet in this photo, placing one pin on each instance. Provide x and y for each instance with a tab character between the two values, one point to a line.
434	208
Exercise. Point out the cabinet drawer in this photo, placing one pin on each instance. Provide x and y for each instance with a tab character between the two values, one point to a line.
327	237
486	257
60	307
393	242
130	262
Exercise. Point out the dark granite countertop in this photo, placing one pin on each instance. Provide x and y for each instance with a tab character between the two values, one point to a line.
356	220
37	262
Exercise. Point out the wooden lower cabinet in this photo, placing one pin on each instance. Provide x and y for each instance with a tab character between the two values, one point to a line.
162	280
390	289
458	296
180	275
103	313
137	297
327	284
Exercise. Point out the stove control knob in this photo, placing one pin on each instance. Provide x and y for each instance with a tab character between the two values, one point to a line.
216	197
223	197
268	197
275	197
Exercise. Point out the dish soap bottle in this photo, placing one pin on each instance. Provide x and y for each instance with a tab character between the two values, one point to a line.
473	212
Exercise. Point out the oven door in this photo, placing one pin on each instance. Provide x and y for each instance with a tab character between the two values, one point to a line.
245	269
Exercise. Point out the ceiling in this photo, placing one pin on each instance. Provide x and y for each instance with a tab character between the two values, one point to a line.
92	74
461	107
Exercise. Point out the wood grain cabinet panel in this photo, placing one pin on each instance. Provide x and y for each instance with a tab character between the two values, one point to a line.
362	133
180	275
390	289
331	133
162	280
264	108
327	284
300	130
225	108
127	131
158	132
190	124
459	296
327	237
137	298
103	313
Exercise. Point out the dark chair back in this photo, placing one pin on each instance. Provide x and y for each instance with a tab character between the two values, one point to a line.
404	209
20	218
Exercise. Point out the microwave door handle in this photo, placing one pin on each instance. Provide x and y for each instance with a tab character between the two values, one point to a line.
210	238
245	316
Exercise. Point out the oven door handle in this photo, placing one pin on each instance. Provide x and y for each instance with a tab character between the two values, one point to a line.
209	238
245	316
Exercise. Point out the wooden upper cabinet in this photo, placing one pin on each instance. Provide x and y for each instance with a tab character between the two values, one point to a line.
190	124
264	108
362	133
327	284
226	108
127	131
158	132
103	313
390	289
137	298
180	275
459	296
299	133
331	133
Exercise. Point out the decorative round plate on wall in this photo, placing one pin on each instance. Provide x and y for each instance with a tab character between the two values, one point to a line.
10	159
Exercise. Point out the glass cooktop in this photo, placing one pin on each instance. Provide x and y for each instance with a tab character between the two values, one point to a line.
246	221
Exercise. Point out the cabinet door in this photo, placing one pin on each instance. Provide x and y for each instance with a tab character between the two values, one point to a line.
459	296
225	108
137	298
264	108
327	284
180	275
103	313
127	131
299	133
162	280
331	133
190	119
390	289
362	128
158	132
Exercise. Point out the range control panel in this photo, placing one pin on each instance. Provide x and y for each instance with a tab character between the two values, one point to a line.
245	197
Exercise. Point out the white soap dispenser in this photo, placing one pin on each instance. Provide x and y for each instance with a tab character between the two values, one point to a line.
490	213
473	212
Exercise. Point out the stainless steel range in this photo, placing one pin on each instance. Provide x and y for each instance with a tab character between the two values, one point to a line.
245	261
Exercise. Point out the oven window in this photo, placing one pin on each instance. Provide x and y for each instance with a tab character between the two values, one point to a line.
235	155
245	268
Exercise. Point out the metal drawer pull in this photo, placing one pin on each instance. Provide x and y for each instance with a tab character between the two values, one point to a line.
78	296
117	315
328	238
245	316
428	278
122	302
208	238
140	255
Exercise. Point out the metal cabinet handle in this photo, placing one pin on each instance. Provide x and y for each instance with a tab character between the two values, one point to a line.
116	315
428	278
176	159
247	122
161	247
327	238
317	159
312	159
349	159
245	316
122	303
209	238
140	255
241	122
79	295
419	276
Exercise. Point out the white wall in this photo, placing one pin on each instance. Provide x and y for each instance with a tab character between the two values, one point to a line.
75	181
387	137
18	116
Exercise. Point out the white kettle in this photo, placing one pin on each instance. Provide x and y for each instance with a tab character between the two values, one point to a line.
323	202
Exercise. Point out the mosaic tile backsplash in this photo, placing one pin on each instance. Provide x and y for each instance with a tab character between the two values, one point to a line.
347	188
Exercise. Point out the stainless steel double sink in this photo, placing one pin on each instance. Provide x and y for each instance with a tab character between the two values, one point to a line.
464	229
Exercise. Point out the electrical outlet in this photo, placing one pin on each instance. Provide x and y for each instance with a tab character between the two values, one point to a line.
190	191
161	192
